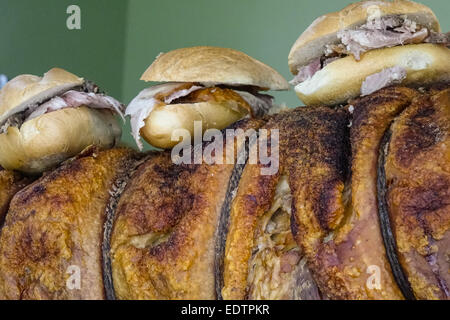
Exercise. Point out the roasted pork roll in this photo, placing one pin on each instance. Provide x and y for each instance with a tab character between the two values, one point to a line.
166	226
50	244
336	218
414	193
324	197
344	202
262	258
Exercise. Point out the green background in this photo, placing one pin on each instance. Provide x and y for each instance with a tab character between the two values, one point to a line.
119	39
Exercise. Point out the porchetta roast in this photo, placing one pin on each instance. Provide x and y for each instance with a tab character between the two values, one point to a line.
356	204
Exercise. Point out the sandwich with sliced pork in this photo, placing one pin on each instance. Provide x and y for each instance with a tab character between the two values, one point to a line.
366	46
45	120
216	86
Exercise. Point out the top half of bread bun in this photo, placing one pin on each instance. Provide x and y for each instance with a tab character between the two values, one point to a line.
213	65
311	43
27	90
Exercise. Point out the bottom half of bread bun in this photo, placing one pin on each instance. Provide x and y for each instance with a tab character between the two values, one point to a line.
43	142
342	79
167	125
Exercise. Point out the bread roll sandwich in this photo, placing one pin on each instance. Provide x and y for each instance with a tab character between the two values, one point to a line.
45	120
366	46
216	86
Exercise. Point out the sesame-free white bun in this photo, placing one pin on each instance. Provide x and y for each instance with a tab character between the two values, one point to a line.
215	66
43	142
311	43
26	90
163	121
341	79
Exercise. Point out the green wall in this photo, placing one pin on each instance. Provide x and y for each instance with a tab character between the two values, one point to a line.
34	38
264	29
119	39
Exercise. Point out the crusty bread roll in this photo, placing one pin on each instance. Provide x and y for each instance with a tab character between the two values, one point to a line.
42	142
341	79
311	43
45	141
25	90
164	120
213	65
198	66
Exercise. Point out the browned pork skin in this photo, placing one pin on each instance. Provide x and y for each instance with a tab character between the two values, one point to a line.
163	243
417	175
54	227
262	259
10	183
337	222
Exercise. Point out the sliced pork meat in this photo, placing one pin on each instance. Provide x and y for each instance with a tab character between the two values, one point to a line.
260	104
381	32
362	40
306	72
388	22
87	94
74	99
181	93
439	38
382	79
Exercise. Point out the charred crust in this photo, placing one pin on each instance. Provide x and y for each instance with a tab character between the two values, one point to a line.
11	183
56	222
169	197
321	142
422	132
365	106
423	201
324	205
23	197
418	192
180	205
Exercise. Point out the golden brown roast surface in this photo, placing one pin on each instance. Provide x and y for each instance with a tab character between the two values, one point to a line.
417	170
54	227
331	176
10	183
164	236
262	259
336	218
